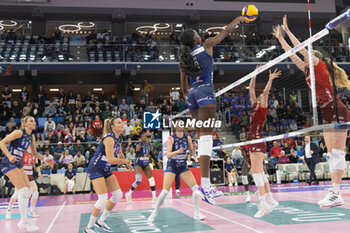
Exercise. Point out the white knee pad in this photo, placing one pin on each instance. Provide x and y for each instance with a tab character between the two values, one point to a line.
258	179
101	201
138	178
15	195
338	159
245	180
330	161
24	193
116	196
263	175
205	145
35	195
151	181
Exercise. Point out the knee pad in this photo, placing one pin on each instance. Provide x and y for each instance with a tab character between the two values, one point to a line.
35	195
258	180
101	201
24	193
138	178
15	195
330	162
151	181
116	196
339	159
205	145
245	180
263	175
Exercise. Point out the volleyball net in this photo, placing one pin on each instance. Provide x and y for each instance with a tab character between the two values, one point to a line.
284	85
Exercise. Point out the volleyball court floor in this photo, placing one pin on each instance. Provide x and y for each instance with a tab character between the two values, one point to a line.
297	211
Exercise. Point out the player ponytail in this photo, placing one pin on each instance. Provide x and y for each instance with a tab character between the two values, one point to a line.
24	120
187	64
340	76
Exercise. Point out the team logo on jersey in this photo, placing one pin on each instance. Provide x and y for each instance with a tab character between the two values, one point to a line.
151	120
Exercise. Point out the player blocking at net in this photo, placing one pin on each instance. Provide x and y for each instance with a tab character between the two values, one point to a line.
257	151
197	66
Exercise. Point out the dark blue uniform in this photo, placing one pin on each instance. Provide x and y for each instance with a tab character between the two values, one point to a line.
98	166
69	174
178	163
229	166
202	88
140	159
16	148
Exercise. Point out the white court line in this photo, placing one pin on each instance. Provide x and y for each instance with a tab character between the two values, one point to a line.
54	219
226	219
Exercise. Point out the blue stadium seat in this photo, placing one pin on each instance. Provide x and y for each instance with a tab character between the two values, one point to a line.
300	153
41	121
46	172
17	120
61	171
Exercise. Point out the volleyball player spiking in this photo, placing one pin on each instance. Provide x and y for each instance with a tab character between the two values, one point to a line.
19	141
197	67
108	152
335	140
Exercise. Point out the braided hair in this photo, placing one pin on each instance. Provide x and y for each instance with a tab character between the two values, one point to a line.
187	63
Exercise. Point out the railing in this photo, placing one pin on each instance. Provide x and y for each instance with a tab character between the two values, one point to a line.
41	53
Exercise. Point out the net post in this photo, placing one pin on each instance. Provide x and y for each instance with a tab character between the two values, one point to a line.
165	136
313	86
331	72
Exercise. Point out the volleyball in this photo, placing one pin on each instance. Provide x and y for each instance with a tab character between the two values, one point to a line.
250	12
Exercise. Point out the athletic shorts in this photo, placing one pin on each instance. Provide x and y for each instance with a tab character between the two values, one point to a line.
329	113
96	172
7	166
258	147
141	162
201	95
176	168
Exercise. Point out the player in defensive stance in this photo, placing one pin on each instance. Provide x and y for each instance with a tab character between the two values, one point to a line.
178	144
257	151
335	140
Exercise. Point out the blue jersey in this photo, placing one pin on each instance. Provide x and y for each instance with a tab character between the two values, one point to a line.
20	145
207	64
229	166
100	158
180	143
140	158
69	174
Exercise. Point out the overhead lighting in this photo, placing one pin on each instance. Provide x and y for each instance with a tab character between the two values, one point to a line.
12	23
178	88
91	25
214	29
97	89
178	25
54	89
137	89
152	29
16	90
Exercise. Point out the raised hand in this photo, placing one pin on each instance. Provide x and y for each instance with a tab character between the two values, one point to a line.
276	73
277	32
285	24
240	19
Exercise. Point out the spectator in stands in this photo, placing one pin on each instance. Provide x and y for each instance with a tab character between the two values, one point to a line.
297	110
27	109
243	135
9	129
36	111
146	88
79	160
221	153
6	96
88	111
323	152
59	129
97	122
128	128
49	125
98	131
125	118
69	177
11	123
181	105
293	158
2	133
41	97
106	114
311	158
271	114
308	123
293	126
59	138
136	136
283	158
230	171
16	110
102	97
244	119
114	100
50	111
58	151
302	119
61	96
275	151
80	128
136	127
237	157
130	92
65	159
4	118
124	107
151	107
45	165
24	96
61	110
134	119
131	154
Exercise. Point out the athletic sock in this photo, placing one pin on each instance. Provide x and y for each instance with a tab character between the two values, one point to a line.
161	199
23	203
205	182
104	215
336	188
92	221
154	194
195	199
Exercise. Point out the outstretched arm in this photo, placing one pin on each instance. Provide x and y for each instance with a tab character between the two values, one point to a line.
212	41
295	42
296	60
252	95
184	83
268	86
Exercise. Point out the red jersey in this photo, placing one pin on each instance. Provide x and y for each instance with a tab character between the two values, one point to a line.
257	122
245	149
324	86
28	163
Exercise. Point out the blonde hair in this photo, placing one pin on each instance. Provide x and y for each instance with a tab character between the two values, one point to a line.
107	127
340	76
24	120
